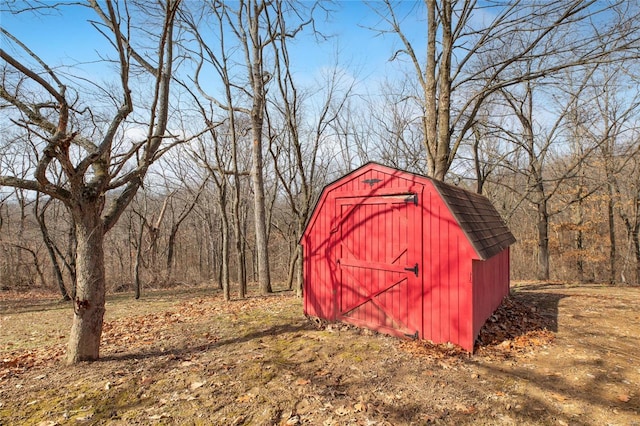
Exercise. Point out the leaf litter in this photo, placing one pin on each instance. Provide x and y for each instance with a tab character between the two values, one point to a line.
259	361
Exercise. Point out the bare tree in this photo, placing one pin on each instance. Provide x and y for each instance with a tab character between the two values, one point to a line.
557	133
614	116
468	59
93	161
216	168
629	210
240	56
295	148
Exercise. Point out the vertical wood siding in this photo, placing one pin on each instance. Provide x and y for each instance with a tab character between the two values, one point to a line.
491	285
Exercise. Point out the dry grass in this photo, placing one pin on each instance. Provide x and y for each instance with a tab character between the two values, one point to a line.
189	358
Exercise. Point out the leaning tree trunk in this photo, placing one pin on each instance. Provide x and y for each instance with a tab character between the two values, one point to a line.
86	330
52	252
70	259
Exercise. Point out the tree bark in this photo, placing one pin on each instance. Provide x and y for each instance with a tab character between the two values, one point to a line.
89	304
634	230
635	236
543	241
257	78
240	256
70	265
260	216
170	250
580	239
612	233
51	250
138	263
222	202
443	143
429	119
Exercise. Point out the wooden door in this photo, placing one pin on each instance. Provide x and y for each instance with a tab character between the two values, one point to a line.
378	255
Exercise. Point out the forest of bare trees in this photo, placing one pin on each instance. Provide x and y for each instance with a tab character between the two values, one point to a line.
199	155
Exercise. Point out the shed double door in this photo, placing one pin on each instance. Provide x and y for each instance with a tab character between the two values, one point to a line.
379	252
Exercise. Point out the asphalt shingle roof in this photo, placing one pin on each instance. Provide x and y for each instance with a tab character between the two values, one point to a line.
478	218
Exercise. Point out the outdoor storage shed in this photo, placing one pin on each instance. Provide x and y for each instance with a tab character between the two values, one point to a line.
406	255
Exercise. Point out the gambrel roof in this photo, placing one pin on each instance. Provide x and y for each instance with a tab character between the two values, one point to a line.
478	218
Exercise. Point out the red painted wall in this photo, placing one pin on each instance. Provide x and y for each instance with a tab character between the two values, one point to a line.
447	296
491	285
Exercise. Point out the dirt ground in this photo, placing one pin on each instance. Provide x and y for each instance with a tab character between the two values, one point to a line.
552	355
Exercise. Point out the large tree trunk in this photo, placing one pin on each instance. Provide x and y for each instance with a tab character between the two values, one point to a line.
580	243
293	262
262	249
429	119
170	252
86	330
257	121
443	143
70	265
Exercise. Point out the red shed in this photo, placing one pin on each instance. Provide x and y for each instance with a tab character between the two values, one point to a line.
406	255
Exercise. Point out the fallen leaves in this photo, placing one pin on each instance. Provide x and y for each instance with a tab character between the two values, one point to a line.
624	397
513	328
445	355
245	398
229	365
293	420
196	385
342	411
558	397
18	362
466	409
128	333
160	416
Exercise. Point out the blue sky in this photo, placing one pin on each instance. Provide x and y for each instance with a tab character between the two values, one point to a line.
56	37
67	38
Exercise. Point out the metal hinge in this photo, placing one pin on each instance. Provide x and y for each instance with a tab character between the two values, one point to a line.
412	198
413	336
414	269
